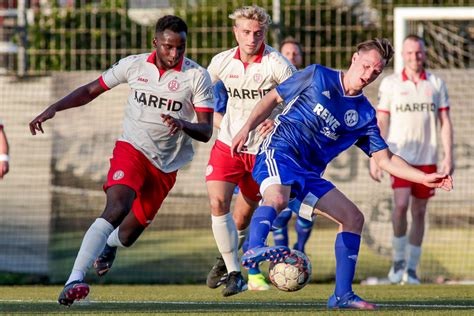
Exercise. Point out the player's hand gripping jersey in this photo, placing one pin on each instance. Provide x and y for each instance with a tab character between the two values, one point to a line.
319	121
179	92
246	84
413	110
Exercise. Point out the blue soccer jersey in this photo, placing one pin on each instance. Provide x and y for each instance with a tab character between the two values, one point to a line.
318	123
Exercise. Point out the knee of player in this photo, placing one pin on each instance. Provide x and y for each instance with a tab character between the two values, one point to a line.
114	213
218	206
354	220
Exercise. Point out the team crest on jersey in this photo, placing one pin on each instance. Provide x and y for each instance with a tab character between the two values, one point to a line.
258	78
351	118
209	170
173	85
119	174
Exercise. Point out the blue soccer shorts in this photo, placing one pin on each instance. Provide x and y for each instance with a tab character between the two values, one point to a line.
307	186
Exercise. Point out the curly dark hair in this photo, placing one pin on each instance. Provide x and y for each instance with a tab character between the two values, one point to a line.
171	22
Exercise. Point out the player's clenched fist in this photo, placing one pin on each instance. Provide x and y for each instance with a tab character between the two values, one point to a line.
173	124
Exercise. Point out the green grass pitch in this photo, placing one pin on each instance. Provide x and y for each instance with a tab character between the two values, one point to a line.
198	299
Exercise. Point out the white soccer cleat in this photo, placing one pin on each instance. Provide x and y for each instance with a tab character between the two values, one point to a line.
395	275
410	277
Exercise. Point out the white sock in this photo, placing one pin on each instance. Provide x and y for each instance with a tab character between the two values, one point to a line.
414	254
399	245
92	245
242	235
225	234
114	240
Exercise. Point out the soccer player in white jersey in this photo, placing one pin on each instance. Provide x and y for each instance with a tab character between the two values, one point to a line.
326	113
4	158
248	72
170	103
410	105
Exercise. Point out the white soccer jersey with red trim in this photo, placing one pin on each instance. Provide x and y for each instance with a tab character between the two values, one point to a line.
413	110
179	92
246	84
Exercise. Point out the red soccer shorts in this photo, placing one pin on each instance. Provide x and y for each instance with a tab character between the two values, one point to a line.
418	190
238	169
130	167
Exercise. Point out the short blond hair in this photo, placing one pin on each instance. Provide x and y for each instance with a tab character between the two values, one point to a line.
252	12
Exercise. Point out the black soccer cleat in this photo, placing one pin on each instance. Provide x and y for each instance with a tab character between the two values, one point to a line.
74	291
104	262
218	274
235	284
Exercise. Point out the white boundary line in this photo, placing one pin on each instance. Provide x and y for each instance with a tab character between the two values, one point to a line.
86	302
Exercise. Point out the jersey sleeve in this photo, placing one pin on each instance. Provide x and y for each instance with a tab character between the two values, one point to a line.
385	96
371	141
284	70
203	99
116	74
443	97
297	83
220	97
213	69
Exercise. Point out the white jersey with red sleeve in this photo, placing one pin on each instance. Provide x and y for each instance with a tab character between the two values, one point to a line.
246	84
179	92
413	110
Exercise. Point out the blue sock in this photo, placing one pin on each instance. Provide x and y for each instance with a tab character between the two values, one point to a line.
303	229
260	225
346	248
280	236
254	271
280	228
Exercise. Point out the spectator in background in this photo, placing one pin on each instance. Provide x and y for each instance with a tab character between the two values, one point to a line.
410	105
4	157
291	49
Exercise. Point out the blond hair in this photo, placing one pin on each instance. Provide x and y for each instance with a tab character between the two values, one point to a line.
253	12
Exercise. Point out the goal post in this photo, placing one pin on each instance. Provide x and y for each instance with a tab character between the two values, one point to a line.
402	15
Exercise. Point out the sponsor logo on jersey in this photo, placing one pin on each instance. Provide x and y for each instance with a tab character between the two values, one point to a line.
415	107
231	76
119	174
327	94
351	118
157	102
142	79
246	93
173	85
330	130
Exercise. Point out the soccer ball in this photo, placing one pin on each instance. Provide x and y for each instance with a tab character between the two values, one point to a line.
291	274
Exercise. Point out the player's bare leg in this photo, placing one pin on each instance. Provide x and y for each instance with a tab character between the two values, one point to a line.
337	206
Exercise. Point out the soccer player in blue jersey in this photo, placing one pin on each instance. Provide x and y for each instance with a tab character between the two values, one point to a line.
326	113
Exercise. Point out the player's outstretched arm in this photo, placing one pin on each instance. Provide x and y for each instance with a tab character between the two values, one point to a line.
395	165
261	111
200	131
78	97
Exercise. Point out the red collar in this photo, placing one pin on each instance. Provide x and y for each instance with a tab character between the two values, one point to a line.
258	59
152	59
405	77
